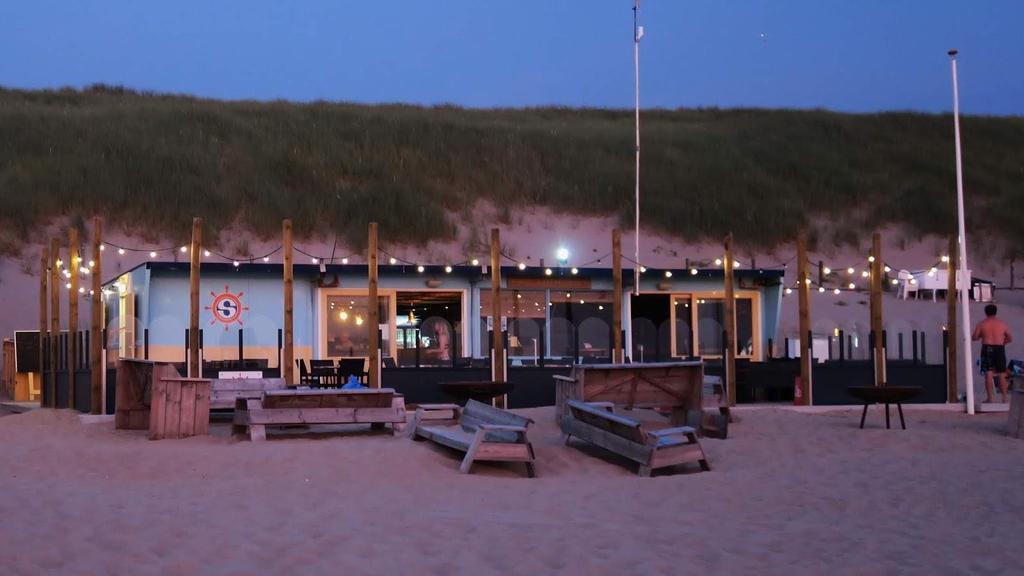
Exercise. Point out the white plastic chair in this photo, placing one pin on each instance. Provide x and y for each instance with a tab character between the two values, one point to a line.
906	286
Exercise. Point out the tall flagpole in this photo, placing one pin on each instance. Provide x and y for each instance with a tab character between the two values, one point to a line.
638	33
965	315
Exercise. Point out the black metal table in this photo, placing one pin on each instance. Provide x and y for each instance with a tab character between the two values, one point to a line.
884	395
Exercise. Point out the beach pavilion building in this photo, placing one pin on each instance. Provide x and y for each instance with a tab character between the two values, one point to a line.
435	321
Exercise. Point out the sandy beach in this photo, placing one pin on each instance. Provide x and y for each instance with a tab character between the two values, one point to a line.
789	493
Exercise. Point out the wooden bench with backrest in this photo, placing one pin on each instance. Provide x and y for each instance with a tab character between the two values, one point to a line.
481	431
294	407
225	391
597	424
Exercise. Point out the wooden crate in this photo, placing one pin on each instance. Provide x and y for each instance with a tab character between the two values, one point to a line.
135	381
181	408
676	386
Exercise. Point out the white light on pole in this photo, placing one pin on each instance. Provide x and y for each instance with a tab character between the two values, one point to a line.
965	315
638	33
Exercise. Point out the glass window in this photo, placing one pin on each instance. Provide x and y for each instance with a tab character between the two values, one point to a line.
525	320
744	327
429	328
710	314
348	334
683	327
581	325
711	323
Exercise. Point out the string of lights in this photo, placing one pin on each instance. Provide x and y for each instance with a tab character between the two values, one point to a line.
829	279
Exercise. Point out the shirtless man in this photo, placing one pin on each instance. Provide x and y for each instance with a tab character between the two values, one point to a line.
994	335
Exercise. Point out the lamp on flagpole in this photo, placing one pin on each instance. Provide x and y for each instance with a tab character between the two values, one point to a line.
638	33
965	315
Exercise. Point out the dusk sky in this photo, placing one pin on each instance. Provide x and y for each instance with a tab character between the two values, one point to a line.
851	55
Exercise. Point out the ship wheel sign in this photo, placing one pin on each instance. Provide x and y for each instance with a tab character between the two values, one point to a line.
227	308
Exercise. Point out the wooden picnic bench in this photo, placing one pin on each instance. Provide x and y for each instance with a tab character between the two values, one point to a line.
292	407
225	391
481	431
597	424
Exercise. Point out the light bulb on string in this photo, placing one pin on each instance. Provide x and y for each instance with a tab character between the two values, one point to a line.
392	260
852	286
315	260
120	251
871	259
206	253
184	249
475	261
152	254
547	272
236	263
836	291
827	271
521	266
447	269
420	268
821	289
850	270
887	269
266	258
102	247
693	271
344	260
574	270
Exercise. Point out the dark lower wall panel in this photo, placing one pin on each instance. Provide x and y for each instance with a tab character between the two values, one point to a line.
832	378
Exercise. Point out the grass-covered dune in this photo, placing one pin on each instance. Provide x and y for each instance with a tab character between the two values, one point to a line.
150	162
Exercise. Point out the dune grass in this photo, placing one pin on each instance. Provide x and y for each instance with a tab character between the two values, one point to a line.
148	163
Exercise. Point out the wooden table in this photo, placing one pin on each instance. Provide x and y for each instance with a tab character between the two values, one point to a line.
884	395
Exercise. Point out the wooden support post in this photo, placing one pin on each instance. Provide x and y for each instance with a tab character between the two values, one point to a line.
804	293
288	353
730	324
876	307
44	320
953	334
617	351
498	355
55	284
96	363
372	308
74	261
193	285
